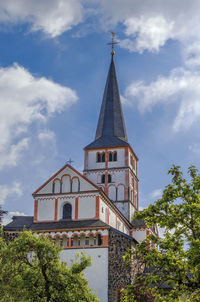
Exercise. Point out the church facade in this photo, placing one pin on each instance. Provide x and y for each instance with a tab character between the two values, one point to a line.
93	212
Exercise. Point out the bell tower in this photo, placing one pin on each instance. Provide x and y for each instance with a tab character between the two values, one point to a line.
110	162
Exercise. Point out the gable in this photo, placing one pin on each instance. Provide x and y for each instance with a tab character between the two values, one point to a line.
66	180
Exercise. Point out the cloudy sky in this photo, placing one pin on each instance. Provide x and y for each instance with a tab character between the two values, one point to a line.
54	60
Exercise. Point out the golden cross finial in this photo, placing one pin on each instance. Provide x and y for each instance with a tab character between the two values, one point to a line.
112	43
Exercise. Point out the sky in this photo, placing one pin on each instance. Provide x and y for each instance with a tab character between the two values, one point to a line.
54	61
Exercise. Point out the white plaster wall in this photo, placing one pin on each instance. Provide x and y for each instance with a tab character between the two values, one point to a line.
92	164
132	211
123	207
120	177
139	235
112	219
120	158
87	207
97	274
126	231
129	161
46	209
62	201
112	192
84	184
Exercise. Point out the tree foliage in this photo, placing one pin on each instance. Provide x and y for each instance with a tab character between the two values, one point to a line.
176	260
30	271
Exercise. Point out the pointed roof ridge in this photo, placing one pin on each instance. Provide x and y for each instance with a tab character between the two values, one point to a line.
111	130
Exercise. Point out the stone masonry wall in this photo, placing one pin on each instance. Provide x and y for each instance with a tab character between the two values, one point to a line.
10	236
119	274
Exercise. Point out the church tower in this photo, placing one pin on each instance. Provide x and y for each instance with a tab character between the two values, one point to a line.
110	162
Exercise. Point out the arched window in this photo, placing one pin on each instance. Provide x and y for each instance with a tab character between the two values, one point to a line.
66	184
103	179
75	241
103	157
112	192
110	158
75	185
120	192
98	157
56	186
109	178
65	242
67	211
82	240
115	156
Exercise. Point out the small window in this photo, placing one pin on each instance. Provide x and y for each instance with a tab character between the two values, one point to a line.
109	178
103	179
53	187
67	211
103	157
99	239
98	157
110	156
115	156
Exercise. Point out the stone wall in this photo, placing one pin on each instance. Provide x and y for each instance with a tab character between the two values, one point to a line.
10	236
119	274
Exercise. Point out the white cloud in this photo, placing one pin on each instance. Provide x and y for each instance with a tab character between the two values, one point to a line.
8	191
195	148
50	16
157	193
181	87
25	99
8	217
46	135
148	24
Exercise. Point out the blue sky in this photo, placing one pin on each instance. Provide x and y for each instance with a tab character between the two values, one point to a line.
54	60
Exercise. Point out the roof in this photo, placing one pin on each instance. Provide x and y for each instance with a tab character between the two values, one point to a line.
111	131
124	235
26	222
138	223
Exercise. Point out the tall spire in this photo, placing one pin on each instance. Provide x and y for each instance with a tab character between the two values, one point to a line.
111	131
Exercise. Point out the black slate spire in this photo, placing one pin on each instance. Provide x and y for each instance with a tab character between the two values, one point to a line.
111	131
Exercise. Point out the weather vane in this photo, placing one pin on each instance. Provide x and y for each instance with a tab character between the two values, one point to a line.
113	43
70	161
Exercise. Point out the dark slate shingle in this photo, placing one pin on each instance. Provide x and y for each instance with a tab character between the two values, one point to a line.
111	130
26	222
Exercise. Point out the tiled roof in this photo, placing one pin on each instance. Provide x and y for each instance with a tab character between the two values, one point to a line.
26	222
111	131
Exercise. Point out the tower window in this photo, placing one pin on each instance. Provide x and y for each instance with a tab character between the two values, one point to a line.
98	157
110	158
103	179
103	157
109	178
115	156
67	211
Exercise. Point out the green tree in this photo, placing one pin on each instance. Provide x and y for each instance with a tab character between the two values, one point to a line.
30	271
176	260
